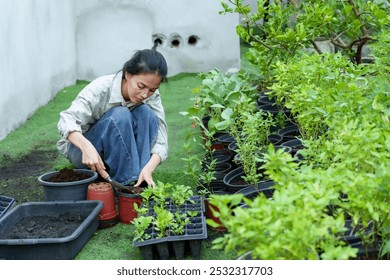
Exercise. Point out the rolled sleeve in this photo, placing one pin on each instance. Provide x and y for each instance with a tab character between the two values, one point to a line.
84	111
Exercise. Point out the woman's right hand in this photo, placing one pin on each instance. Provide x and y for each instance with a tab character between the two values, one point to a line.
92	159
90	156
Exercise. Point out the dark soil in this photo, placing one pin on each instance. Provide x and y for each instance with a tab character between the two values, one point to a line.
36	227
19	178
68	175
238	181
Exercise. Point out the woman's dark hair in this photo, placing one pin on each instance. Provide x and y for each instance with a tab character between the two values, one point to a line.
146	62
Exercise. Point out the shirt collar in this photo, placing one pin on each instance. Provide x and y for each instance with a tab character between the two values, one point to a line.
116	89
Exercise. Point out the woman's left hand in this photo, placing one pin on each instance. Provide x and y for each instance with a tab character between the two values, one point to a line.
145	175
147	171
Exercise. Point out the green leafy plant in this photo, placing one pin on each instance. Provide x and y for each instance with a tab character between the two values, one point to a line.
251	130
319	88
294	224
155	211
181	194
141	224
279	30
200	170
217	97
163	220
181	220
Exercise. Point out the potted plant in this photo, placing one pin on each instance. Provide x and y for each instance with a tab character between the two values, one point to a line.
216	98
251	130
341	108
291	225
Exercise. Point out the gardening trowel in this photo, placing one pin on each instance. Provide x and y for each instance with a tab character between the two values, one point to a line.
118	185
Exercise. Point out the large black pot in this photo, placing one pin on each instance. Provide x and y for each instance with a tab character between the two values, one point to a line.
73	190
295	145
289	133
253	191
230	180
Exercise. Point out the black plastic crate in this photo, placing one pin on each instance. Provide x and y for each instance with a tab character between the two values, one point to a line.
6	204
178	246
61	248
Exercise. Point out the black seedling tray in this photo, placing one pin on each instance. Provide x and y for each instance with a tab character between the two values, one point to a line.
6	204
179	245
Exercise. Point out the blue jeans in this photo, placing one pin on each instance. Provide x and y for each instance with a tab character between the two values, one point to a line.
124	139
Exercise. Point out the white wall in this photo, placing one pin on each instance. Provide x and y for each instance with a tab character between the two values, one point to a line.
109	31
47	45
37	56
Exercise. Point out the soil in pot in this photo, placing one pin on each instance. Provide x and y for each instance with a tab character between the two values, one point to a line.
37	227
68	175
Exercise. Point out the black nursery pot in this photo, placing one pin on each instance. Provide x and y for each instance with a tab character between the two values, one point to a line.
265	100
295	145
272	108
252	192
225	139
289	133
233	147
73	190
233	180
223	167
275	139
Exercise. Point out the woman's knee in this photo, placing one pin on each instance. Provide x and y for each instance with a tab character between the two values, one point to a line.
145	113
119	114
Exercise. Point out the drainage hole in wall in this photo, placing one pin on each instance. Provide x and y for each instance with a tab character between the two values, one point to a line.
175	43
158	41
193	40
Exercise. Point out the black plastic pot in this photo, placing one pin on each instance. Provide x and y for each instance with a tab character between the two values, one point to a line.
351	235
275	139
295	145
233	147
252	192
225	140
75	190
215	185
223	167
163	250
231	178
265	100
289	133
272	108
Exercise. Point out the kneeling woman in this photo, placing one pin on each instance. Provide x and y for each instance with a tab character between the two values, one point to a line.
117	123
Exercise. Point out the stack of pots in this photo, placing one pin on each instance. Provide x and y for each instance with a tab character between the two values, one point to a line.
108	215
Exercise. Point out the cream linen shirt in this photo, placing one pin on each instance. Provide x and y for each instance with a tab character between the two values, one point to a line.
97	98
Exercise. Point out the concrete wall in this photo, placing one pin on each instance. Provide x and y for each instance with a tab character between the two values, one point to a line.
194	36
37	56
